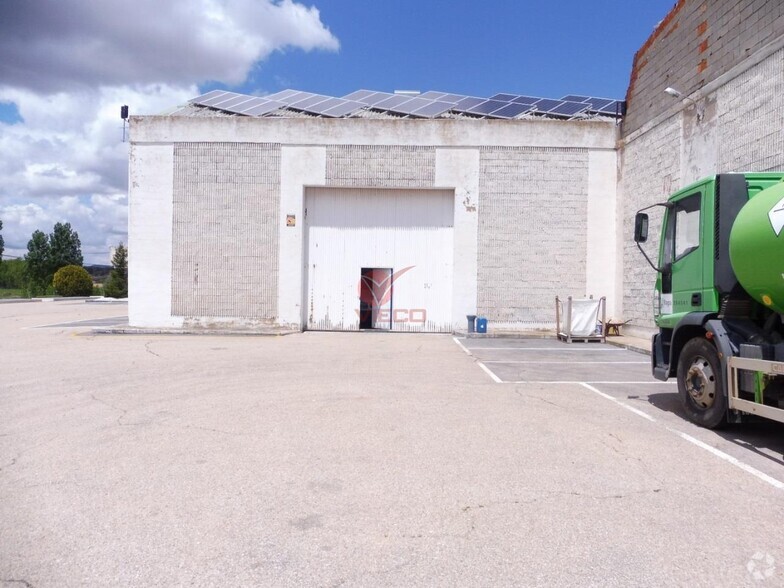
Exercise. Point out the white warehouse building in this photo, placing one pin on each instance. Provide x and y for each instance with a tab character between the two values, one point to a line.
375	210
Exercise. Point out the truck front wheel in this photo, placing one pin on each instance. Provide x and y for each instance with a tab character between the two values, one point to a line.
701	384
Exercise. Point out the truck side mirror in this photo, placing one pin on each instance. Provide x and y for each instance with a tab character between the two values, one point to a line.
640	227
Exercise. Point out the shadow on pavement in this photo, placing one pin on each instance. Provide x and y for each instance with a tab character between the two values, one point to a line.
760	436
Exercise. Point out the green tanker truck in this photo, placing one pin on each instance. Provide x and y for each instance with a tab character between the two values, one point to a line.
719	296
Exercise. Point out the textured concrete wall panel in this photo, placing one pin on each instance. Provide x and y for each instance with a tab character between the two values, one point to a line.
751	118
382	166
225	230
532	232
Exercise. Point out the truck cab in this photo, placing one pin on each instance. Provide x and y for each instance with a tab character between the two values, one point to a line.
703	313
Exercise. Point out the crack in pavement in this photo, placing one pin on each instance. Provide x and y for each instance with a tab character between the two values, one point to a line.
112	406
148	350
475	507
23	582
15	459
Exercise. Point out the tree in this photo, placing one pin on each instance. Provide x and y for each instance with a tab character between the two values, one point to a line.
72	280
65	247
117	285
38	258
2	243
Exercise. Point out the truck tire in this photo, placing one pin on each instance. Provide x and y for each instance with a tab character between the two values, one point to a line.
701	384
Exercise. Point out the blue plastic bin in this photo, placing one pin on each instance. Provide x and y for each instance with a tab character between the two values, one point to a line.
481	325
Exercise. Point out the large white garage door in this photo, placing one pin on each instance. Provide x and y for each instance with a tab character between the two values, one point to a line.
379	259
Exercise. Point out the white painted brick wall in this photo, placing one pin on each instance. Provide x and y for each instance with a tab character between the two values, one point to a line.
532	232
751	115
650	172
381	166
225	230
751	138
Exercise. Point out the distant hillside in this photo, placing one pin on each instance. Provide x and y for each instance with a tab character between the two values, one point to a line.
98	273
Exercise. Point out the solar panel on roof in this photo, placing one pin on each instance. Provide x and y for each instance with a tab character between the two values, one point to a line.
264	108
245	106
375	98
546	104
526	99
433	109
411	105
576	98
207	96
359	94
233	101
597	103
323	107
617	107
218	99
487	107
432	95
298	98
468	102
504	97
309	102
345	108
391	102
453	98
511	110
241	107
293	98
282	95
568	108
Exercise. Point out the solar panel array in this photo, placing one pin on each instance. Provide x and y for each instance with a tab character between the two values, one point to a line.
427	105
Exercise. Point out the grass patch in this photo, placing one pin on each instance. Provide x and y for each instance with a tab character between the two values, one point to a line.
11	293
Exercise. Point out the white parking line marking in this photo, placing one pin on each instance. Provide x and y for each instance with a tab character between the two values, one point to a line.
78	325
572	362
654	382
619	403
459	344
496	379
778	484
486	369
601	350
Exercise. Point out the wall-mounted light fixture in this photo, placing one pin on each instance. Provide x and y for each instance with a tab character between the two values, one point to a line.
670	91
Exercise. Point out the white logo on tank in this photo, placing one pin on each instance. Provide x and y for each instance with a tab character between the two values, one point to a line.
776	216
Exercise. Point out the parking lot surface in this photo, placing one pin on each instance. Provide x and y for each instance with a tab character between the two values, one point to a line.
362	459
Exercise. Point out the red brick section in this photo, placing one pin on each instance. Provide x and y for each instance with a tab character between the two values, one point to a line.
663	30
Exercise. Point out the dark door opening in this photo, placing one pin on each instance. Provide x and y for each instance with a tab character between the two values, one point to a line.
375	298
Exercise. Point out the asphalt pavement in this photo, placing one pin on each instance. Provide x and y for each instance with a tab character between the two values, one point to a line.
357	459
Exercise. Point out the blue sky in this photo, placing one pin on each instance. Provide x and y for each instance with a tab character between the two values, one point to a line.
67	66
547	49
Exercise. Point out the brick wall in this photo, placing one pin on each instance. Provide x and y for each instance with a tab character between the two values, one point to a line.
225	230
381	166
751	118
532	232
748	131
698	41
651	172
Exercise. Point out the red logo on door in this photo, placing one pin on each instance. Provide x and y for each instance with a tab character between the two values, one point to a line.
375	286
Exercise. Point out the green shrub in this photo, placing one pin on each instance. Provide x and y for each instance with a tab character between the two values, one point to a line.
72	280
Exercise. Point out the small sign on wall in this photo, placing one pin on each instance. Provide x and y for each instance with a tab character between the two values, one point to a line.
291	220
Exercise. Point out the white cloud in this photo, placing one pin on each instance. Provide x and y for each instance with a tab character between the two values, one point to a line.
54	46
69	66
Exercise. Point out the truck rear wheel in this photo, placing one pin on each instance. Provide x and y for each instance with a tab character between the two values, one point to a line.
701	384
